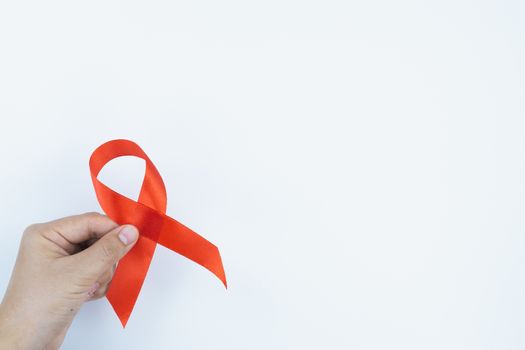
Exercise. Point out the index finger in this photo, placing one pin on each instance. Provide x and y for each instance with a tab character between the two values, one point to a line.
80	228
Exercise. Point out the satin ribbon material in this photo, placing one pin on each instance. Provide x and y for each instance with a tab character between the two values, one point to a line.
148	214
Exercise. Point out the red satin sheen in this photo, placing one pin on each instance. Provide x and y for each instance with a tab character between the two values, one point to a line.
148	214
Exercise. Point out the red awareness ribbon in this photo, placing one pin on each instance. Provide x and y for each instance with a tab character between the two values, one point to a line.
148	214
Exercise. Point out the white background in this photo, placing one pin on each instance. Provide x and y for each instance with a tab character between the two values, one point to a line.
359	164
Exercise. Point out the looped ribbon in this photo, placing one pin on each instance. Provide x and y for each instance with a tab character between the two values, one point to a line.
148	214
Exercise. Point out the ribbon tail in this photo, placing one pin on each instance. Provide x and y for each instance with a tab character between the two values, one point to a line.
129	277
186	242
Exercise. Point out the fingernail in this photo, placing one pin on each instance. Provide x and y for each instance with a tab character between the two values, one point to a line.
128	234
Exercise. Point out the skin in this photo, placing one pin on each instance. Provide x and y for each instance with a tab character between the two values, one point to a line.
60	265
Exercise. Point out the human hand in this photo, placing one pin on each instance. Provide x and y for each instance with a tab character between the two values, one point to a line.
60	265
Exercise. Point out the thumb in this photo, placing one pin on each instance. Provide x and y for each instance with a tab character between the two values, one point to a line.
108	250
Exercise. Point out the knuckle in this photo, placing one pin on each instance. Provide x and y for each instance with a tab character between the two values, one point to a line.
92	214
94	220
106	278
101	292
32	229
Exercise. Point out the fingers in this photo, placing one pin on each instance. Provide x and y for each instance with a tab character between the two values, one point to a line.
106	277
102	285
107	251
80	228
100	292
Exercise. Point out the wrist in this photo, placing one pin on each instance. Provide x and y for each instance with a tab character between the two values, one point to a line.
11	329
20	330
